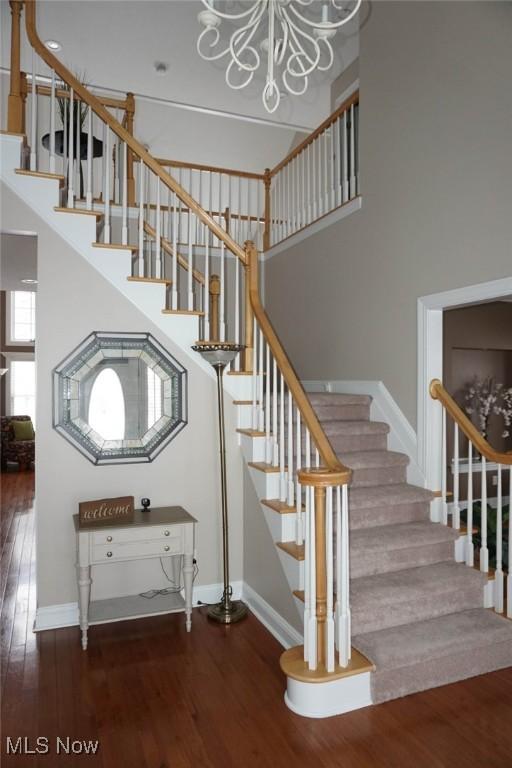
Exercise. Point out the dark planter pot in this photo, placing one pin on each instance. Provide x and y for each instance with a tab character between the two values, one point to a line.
60	149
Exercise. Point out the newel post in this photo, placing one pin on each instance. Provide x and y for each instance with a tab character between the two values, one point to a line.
251	286
130	113
267	181
15	117
214	290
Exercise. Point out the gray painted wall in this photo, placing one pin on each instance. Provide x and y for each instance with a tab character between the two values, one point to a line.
73	300
436	180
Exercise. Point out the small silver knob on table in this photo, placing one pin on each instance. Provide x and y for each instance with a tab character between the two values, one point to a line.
109	538
166	548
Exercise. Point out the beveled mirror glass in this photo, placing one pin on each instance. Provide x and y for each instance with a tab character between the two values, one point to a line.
120	397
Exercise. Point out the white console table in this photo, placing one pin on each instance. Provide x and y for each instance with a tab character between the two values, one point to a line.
157	533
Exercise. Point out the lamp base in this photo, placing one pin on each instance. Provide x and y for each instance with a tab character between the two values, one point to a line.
234	611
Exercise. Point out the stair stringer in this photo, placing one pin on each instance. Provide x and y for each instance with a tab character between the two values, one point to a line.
80	231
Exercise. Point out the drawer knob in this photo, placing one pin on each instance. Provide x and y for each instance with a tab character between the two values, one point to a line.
109	538
166	548
166	533
109	554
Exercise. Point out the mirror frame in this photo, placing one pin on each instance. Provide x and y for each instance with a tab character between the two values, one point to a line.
66	389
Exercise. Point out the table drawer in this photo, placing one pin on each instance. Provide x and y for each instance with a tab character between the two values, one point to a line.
145	533
106	553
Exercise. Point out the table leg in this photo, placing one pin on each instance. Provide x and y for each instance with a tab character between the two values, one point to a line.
188	577
84	594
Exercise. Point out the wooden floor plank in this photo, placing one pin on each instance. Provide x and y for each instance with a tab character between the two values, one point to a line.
158	697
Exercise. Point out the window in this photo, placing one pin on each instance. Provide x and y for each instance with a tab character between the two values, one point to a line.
23	316
106	406
23	388
154	398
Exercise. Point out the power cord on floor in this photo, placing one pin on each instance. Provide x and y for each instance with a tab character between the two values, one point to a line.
176	588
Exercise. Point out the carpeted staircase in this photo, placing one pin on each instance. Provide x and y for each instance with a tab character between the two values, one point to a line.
416	613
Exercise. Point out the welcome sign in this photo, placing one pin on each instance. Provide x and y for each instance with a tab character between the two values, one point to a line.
106	511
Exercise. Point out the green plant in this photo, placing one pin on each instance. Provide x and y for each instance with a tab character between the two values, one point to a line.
80	109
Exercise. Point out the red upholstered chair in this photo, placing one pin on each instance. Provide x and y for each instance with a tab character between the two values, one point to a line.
20	451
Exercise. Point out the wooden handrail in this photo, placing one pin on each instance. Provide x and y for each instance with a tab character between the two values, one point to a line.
353	99
137	148
302	402
211	169
107	101
438	392
168	248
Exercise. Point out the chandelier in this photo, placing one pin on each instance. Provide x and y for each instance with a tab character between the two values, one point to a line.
293	36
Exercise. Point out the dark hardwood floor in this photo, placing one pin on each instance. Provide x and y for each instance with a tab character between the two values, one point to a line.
156	697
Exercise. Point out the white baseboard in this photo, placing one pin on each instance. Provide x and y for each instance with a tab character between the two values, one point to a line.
56	616
402	437
284	633
66	614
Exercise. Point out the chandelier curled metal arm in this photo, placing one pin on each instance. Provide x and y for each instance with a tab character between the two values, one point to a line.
295	37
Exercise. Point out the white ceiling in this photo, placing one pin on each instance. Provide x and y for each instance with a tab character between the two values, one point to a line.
115	44
18	260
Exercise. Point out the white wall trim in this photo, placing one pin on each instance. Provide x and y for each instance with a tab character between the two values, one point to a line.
402	437
284	633
325	221
430	364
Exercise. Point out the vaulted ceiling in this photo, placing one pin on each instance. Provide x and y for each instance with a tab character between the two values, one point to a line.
116	44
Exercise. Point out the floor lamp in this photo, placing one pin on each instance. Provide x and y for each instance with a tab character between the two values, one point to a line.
219	354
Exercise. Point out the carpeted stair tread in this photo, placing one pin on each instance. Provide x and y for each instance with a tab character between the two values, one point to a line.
346	428
414	594
389	548
426	654
337	398
388	495
374	459
423	640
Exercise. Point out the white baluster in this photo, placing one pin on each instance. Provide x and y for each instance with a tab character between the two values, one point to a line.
311	628
498	576
88	194
222	294
106	230
33	117
78	150
352	154
291	481
174	290
345	182
456	479
261	380
329	626
71	196
444	505
336	160
275	427
470	553
282	440
509	577
299	528
237	311
142	172
52	123
307	572
158	237
124	228
314	181
308	184
484	552
207	264
255	375
326	169
342	578
317	458
307	449
190	263
268	408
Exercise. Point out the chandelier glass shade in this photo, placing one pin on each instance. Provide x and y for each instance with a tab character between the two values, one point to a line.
293	37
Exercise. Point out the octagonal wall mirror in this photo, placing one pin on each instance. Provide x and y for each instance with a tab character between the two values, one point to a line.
119	397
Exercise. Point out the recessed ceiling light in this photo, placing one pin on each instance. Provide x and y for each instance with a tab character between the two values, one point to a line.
29	281
53	45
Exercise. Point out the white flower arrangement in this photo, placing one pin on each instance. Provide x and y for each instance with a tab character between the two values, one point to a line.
483	398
